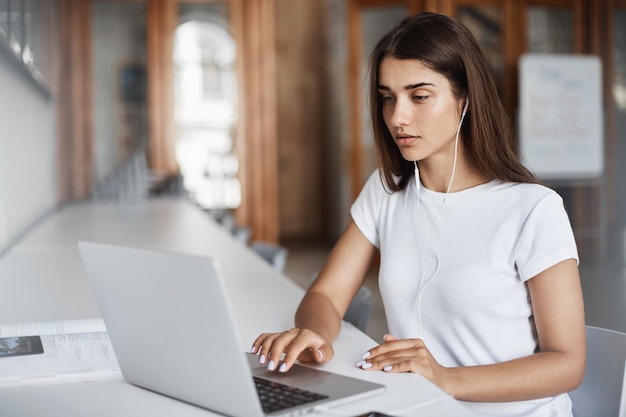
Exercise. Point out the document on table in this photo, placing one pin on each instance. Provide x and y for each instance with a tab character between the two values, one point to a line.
56	351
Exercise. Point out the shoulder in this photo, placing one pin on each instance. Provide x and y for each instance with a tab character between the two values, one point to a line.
537	207
527	193
376	184
519	200
375	197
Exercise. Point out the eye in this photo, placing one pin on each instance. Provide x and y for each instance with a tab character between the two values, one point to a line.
419	98
386	98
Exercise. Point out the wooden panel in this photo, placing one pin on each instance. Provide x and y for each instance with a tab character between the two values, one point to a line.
378	3
300	63
260	165
242	213
64	104
354	75
514	45
167	158
80	87
153	68
160	17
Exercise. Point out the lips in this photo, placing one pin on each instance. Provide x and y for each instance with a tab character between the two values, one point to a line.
405	140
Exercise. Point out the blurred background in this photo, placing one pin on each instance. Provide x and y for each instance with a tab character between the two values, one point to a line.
256	111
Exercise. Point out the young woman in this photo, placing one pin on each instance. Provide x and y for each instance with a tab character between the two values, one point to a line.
478	263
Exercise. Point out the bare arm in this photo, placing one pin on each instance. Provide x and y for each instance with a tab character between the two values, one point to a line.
558	367
318	318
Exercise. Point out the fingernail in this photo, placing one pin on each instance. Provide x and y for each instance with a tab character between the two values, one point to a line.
271	366
387	368
282	368
366	365
365	355
360	363
262	359
320	353
253	349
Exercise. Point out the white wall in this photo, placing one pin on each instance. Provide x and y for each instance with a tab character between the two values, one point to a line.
28	152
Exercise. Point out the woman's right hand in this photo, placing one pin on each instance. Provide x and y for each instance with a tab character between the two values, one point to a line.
296	344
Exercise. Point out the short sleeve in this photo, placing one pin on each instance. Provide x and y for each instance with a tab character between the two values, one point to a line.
365	210
546	238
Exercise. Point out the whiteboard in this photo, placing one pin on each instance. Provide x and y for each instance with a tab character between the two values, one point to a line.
560	116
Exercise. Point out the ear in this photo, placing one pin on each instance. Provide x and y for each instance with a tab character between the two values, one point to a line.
465	107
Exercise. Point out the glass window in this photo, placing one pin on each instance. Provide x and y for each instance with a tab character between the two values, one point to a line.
29	29
206	105
550	30
15	26
4	19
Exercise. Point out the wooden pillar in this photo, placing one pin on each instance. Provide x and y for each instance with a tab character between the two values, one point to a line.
354	77
75	139
259	163
161	22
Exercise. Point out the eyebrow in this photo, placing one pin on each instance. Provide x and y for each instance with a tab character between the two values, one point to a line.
406	87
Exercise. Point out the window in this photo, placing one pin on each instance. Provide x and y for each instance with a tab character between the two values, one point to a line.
28	33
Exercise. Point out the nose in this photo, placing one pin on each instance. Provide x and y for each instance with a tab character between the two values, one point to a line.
401	114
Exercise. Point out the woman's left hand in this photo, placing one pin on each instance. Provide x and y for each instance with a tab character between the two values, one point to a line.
404	355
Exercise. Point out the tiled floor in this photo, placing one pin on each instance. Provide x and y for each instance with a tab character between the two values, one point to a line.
604	289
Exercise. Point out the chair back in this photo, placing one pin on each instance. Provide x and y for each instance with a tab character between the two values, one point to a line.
276	255
359	310
601	393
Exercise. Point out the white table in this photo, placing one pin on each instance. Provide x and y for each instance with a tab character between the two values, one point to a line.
42	278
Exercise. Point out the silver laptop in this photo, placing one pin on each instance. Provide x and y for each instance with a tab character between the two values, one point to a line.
173	331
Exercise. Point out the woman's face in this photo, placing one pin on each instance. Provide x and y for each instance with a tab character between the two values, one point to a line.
419	110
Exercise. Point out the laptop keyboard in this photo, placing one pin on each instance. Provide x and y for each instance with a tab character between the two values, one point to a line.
275	396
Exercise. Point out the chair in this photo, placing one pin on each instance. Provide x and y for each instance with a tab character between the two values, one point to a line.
129	181
360	308
602	392
242	234
227	220
276	255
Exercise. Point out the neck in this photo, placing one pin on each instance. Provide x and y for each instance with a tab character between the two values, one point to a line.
436	177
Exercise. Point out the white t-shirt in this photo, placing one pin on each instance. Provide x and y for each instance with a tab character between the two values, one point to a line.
454	273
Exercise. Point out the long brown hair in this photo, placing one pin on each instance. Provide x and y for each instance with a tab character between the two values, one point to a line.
449	48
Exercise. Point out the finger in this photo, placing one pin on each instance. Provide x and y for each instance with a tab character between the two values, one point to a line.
389	337
307	346
390	345
258	342
396	363
395	367
281	344
308	355
407	350
257	347
419	365
379	363
270	344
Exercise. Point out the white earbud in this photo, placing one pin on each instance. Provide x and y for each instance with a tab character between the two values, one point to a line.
456	144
